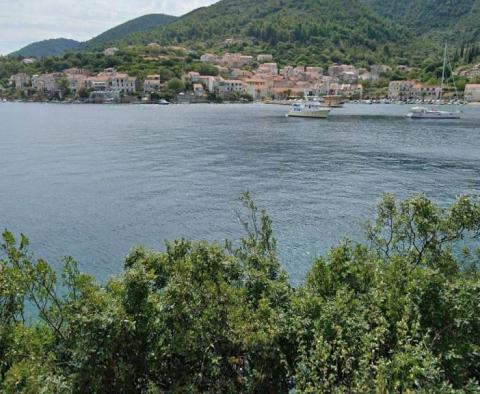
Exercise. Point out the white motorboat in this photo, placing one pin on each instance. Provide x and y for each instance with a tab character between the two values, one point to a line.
310	108
430	113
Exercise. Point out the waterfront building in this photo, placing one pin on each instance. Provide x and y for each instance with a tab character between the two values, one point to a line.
411	90
400	90
426	92
152	84
98	83
118	82
233	86
76	82
20	81
209	82
472	93
47	83
258	88
198	89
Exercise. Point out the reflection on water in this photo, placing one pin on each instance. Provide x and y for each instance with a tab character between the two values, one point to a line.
92	181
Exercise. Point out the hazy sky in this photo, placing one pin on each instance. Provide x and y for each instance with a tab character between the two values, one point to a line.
26	21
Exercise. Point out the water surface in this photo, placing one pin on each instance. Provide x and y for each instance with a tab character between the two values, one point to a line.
93	181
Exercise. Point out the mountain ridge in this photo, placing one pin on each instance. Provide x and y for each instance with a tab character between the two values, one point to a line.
61	46
50	47
136	25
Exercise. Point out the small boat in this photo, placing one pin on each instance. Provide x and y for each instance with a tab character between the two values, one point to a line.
163	102
309	108
429	113
334	101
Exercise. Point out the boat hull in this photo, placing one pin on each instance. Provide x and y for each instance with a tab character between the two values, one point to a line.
309	114
434	116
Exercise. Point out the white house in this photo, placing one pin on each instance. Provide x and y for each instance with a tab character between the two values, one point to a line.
110	51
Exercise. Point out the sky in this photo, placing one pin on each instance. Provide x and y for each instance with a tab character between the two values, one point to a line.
25	21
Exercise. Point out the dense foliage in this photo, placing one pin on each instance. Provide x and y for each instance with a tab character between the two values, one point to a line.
136	62
307	32
318	32
425	16
400	313
299	32
137	25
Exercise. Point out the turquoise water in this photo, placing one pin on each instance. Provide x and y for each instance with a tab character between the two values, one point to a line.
93	181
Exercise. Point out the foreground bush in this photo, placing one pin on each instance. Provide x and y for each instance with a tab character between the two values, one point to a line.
399	313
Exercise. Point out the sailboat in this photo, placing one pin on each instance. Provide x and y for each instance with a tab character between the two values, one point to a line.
431	113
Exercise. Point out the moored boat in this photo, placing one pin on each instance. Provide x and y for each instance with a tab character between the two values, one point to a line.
309	108
429	113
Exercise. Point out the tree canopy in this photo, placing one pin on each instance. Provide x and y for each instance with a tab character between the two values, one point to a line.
397	313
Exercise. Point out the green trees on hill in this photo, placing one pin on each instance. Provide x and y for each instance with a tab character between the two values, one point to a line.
398	313
320	31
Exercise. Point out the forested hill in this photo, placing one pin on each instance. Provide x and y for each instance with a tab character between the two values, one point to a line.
60	46
458	20
137	25
53	47
313	31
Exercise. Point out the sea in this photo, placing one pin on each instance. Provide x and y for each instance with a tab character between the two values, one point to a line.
93	181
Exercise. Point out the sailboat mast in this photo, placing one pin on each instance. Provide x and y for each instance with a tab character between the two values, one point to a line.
444	70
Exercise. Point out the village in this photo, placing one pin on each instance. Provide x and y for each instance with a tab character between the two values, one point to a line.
239	77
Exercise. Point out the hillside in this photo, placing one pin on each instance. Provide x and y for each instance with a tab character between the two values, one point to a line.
299	31
53	47
467	28
60	46
454	19
141	24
